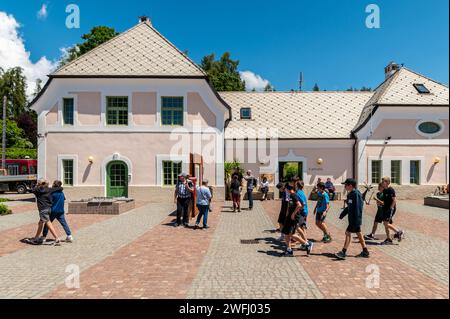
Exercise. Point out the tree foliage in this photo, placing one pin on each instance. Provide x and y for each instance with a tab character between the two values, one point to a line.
316	88
15	136
98	35
223	73
13	85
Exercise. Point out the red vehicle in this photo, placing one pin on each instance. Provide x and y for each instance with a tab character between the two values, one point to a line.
18	176
16	167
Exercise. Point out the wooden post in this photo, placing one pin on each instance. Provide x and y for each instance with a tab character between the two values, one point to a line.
4	134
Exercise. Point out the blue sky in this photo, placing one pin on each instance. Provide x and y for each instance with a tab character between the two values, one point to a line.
326	39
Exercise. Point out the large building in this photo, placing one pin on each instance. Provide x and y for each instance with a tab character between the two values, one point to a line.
125	118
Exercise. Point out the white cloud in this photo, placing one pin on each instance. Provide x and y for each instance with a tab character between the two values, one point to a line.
253	81
42	13
13	54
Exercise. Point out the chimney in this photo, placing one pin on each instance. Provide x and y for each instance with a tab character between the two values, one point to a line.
390	69
145	19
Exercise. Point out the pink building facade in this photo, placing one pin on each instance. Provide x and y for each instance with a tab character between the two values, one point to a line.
126	118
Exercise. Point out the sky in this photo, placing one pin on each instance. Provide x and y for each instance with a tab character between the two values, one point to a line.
327	40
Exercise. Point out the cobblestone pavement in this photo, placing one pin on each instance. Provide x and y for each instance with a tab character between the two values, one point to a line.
162	263
33	272
139	255
234	270
11	238
351	278
17	220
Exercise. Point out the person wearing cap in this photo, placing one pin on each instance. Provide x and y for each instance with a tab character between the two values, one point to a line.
354	210
182	197
203	200
321	211
290	225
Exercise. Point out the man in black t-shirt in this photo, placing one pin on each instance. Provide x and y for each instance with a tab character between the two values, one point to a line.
290	224
389	210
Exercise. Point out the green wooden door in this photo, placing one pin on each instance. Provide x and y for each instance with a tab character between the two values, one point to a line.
117	179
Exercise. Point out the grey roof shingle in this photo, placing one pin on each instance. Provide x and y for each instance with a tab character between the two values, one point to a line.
140	51
296	114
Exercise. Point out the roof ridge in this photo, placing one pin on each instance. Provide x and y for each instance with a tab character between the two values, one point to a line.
173	46
96	48
296	92
424	76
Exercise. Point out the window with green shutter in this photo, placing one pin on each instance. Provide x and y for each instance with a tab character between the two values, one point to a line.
117	110
67	166
396	172
68	111
414	172
376	172
171	170
172	111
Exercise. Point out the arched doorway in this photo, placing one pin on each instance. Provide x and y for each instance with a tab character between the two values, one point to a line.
117	179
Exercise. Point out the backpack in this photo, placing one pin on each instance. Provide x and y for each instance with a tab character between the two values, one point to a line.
255	182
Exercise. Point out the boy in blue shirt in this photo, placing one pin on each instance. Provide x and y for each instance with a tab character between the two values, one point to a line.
57	212
302	222
321	211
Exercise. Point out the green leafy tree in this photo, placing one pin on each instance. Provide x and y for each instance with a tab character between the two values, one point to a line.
223	73
98	35
15	136
13	85
269	88
316	88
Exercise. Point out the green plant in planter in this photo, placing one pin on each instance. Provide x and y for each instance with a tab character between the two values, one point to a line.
4	210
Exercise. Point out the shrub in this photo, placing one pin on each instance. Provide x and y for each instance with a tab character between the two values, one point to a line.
21	153
3	200
4	210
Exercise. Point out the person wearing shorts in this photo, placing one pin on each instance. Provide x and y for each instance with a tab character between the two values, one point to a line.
290	225
235	188
354	210
321	211
284	196
389	210
379	217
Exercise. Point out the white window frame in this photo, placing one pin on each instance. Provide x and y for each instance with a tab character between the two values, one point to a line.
439	122
74	158
405	167
61	110
184	159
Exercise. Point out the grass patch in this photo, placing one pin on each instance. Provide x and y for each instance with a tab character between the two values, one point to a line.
4	210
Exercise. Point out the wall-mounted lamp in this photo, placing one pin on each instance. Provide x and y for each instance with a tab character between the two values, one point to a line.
437	160
91	159
320	161
386	141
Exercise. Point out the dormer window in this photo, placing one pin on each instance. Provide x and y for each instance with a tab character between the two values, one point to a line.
246	113
421	88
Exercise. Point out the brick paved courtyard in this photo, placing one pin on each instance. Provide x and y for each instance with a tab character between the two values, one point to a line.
140	255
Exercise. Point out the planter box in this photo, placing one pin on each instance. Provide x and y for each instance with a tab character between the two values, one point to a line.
111	207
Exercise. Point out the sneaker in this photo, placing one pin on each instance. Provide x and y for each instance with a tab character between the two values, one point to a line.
363	254
69	239
387	242
196	226
57	242
327	239
288	253
206	227
186	225
400	235
309	247
302	247
370	237
341	255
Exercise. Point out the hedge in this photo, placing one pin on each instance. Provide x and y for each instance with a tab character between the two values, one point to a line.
4	210
21	153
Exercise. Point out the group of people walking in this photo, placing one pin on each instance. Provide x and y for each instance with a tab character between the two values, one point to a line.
50	202
294	212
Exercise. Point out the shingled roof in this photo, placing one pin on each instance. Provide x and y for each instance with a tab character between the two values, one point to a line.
296	115
140	51
398	89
